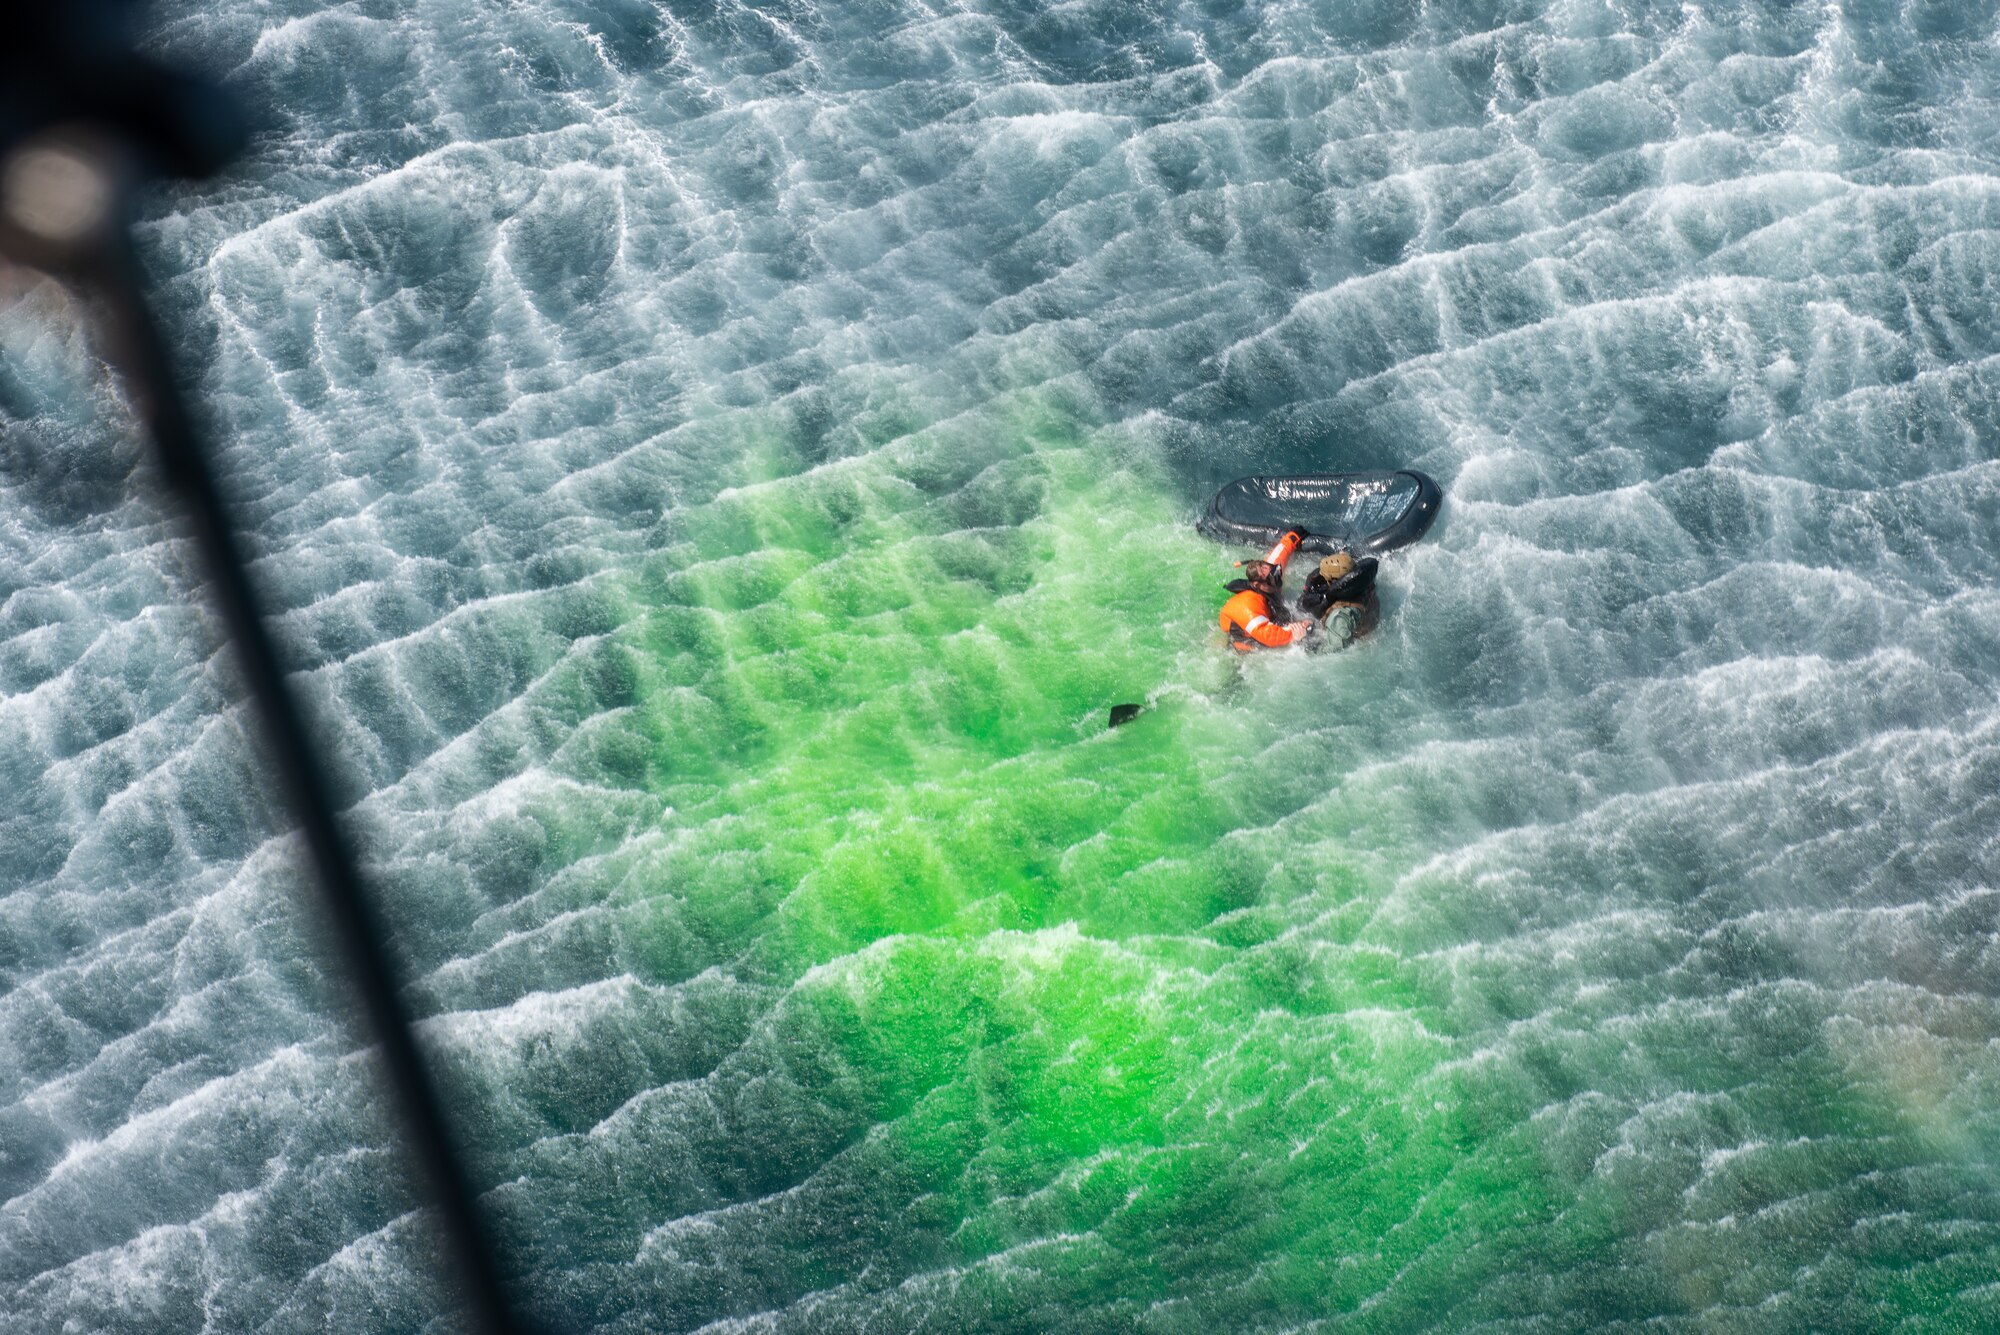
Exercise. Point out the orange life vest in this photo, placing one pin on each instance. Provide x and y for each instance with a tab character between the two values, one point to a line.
1246	617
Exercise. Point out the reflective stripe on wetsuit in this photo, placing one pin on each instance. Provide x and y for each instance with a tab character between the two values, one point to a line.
1247	620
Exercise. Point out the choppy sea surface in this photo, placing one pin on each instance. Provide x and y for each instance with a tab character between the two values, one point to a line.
714	464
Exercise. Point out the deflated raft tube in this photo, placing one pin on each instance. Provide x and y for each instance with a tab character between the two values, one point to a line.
1363	513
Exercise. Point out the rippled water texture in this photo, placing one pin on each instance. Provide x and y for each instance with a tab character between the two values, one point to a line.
715	465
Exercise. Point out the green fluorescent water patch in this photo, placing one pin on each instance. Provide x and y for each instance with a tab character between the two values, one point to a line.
917	717
1153	1135
1062	971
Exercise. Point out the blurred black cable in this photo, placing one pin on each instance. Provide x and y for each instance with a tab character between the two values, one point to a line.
84	119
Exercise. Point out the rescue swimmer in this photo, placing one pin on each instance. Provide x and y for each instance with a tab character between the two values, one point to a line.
1339	601
1341	596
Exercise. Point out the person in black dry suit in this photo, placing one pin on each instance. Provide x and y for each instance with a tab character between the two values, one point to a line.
1341	596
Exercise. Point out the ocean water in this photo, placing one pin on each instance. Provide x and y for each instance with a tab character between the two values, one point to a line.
714	464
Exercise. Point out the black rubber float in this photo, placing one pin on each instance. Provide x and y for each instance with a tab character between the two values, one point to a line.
1363	513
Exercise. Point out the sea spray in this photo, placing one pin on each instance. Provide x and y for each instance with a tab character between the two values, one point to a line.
716	467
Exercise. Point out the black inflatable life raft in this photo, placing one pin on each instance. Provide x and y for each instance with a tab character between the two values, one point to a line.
1363	513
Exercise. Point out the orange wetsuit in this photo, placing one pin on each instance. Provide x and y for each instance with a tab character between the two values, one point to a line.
1246	617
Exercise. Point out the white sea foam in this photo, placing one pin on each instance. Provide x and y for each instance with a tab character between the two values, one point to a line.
1656	818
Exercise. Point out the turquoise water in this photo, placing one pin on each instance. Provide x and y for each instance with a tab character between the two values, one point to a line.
716	464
